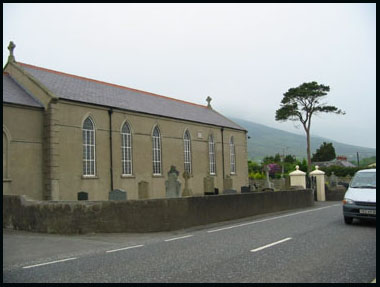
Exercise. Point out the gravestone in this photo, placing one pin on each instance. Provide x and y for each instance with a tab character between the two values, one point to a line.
186	190
227	183
268	184
208	185
245	189
82	195
117	194
143	190
333	180
173	186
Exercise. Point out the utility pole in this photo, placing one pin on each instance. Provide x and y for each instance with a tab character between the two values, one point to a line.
357	156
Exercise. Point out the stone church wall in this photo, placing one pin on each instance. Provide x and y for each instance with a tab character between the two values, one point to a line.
70	119
23	154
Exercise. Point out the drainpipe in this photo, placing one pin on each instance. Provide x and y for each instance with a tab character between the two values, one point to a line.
222	129
111	169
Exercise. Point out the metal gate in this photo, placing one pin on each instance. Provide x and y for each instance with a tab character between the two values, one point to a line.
311	183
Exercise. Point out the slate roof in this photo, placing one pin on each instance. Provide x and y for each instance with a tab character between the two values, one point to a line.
15	94
334	162
71	87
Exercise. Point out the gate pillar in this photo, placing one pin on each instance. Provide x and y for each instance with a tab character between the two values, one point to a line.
320	182
297	177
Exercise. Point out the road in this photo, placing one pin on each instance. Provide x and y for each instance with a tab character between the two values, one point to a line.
304	245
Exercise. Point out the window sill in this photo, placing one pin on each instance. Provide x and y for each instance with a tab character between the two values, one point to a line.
127	176
7	179
89	177
157	176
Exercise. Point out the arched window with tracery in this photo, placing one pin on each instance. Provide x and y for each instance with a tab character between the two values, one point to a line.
126	149
88	132
232	156
187	151
156	138
211	153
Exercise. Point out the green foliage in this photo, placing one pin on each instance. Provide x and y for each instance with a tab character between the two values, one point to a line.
256	175
254	167
302	165
326	152
289	159
340	170
256	170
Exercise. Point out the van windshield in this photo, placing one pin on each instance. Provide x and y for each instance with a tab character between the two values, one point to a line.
364	180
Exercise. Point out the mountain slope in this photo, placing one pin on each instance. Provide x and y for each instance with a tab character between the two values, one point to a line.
266	141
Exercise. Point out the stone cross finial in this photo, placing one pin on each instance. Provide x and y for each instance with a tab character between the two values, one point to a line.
11	47
208	100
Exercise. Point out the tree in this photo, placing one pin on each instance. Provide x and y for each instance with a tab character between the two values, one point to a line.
300	104
325	152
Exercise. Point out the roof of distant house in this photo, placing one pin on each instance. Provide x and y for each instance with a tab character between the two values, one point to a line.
80	89
334	162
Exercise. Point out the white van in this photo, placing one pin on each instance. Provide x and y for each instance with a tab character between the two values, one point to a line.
360	198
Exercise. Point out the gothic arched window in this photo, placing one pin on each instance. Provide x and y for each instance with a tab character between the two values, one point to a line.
232	156
88	147
211	153
126	149
187	151
156	137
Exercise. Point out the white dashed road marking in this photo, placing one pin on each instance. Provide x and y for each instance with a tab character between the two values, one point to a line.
125	248
52	262
269	245
277	217
178	238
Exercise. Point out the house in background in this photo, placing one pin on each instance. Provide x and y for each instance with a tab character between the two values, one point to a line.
64	135
338	161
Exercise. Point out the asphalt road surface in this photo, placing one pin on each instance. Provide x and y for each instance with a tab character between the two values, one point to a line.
303	245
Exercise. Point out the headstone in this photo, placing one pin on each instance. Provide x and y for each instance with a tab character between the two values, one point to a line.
173	186
208	185
229	191
143	190
333	180
227	183
117	194
253	187
82	195
244	189
186	191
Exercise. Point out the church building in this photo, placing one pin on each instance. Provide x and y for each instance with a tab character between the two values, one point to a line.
66	135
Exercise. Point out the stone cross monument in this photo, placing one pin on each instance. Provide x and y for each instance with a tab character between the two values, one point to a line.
208	100
173	186
11	47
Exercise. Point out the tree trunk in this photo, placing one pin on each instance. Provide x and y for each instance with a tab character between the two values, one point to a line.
308	151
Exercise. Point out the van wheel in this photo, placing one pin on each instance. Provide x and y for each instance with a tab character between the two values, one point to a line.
348	220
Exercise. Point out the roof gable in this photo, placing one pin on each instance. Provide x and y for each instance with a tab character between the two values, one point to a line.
13	93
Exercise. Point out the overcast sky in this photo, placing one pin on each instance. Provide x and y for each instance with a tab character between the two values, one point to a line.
244	56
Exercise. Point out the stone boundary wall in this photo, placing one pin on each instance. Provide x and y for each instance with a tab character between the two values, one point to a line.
335	193
151	215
